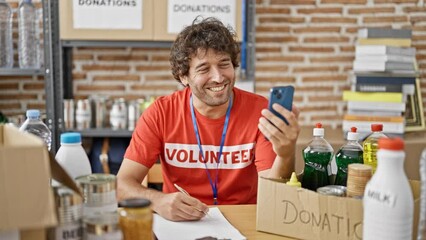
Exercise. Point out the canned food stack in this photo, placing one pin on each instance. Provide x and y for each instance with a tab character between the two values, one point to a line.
99	191
100	218
70	213
135	109
83	114
102	112
102	226
69	113
358	176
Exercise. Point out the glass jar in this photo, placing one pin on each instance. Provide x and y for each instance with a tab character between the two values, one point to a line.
136	219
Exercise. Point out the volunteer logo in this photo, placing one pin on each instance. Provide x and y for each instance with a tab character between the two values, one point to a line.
188	156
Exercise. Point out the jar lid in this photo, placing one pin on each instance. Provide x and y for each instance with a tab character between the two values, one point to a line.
134	203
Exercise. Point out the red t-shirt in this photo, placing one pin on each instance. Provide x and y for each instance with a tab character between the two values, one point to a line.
165	131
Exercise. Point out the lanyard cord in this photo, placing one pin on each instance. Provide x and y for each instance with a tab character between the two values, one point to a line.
222	142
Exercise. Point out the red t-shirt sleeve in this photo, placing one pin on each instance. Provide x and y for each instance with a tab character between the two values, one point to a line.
264	154
145	145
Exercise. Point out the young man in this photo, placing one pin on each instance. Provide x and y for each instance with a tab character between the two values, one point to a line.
211	138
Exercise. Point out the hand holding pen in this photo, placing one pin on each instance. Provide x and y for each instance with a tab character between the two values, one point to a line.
180	189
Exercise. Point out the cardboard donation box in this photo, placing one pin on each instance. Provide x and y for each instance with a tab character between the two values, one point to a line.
106	20
301	213
26	197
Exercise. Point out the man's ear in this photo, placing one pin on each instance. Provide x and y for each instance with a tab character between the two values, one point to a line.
184	80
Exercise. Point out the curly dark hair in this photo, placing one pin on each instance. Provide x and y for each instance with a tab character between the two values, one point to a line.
209	33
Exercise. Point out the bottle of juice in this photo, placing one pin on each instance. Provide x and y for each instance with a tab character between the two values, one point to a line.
370	145
350	152
317	156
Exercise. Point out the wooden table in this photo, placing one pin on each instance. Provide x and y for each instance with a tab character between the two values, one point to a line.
243	217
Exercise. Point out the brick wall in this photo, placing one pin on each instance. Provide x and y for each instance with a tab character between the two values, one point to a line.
307	43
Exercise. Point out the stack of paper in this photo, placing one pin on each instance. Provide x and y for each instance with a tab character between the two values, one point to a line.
213	225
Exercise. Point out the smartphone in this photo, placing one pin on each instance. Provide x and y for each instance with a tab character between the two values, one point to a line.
282	95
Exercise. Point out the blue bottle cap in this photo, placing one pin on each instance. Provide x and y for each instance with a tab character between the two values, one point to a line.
33	113
71	137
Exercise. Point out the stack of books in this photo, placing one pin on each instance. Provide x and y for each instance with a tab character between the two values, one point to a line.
384	75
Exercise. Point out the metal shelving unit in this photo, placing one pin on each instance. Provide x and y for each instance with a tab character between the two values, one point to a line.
51	72
103	132
66	70
20	72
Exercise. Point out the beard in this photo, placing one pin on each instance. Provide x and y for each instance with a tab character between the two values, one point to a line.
212	98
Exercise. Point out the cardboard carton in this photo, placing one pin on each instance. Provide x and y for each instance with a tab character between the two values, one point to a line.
26	197
68	31
162	14
305	214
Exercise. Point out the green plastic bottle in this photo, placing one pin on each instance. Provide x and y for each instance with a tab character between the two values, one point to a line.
317	156
350	152
370	145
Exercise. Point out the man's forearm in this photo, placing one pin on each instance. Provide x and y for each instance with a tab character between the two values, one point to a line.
131	189
282	167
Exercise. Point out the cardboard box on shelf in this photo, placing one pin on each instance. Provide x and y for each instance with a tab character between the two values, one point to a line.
305	214
172	16
91	20
26	197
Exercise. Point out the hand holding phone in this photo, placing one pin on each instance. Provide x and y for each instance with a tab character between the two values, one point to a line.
282	95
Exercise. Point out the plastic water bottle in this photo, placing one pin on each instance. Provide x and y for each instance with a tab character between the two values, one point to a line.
421	234
388	198
72	157
6	44
33	124
28	41
317	156
370	145
350	152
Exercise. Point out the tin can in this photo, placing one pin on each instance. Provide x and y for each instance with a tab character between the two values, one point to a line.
69	207
102	226
69	113
333	190
118	114
83	114
99	191
134	112
100	111
136	219
358	177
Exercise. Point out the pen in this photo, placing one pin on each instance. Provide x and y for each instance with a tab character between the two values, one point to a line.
186	193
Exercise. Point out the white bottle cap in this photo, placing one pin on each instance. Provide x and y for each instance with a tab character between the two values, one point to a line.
318	130
353	135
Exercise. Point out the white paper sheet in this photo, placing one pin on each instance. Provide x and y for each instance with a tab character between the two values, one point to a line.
213	225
